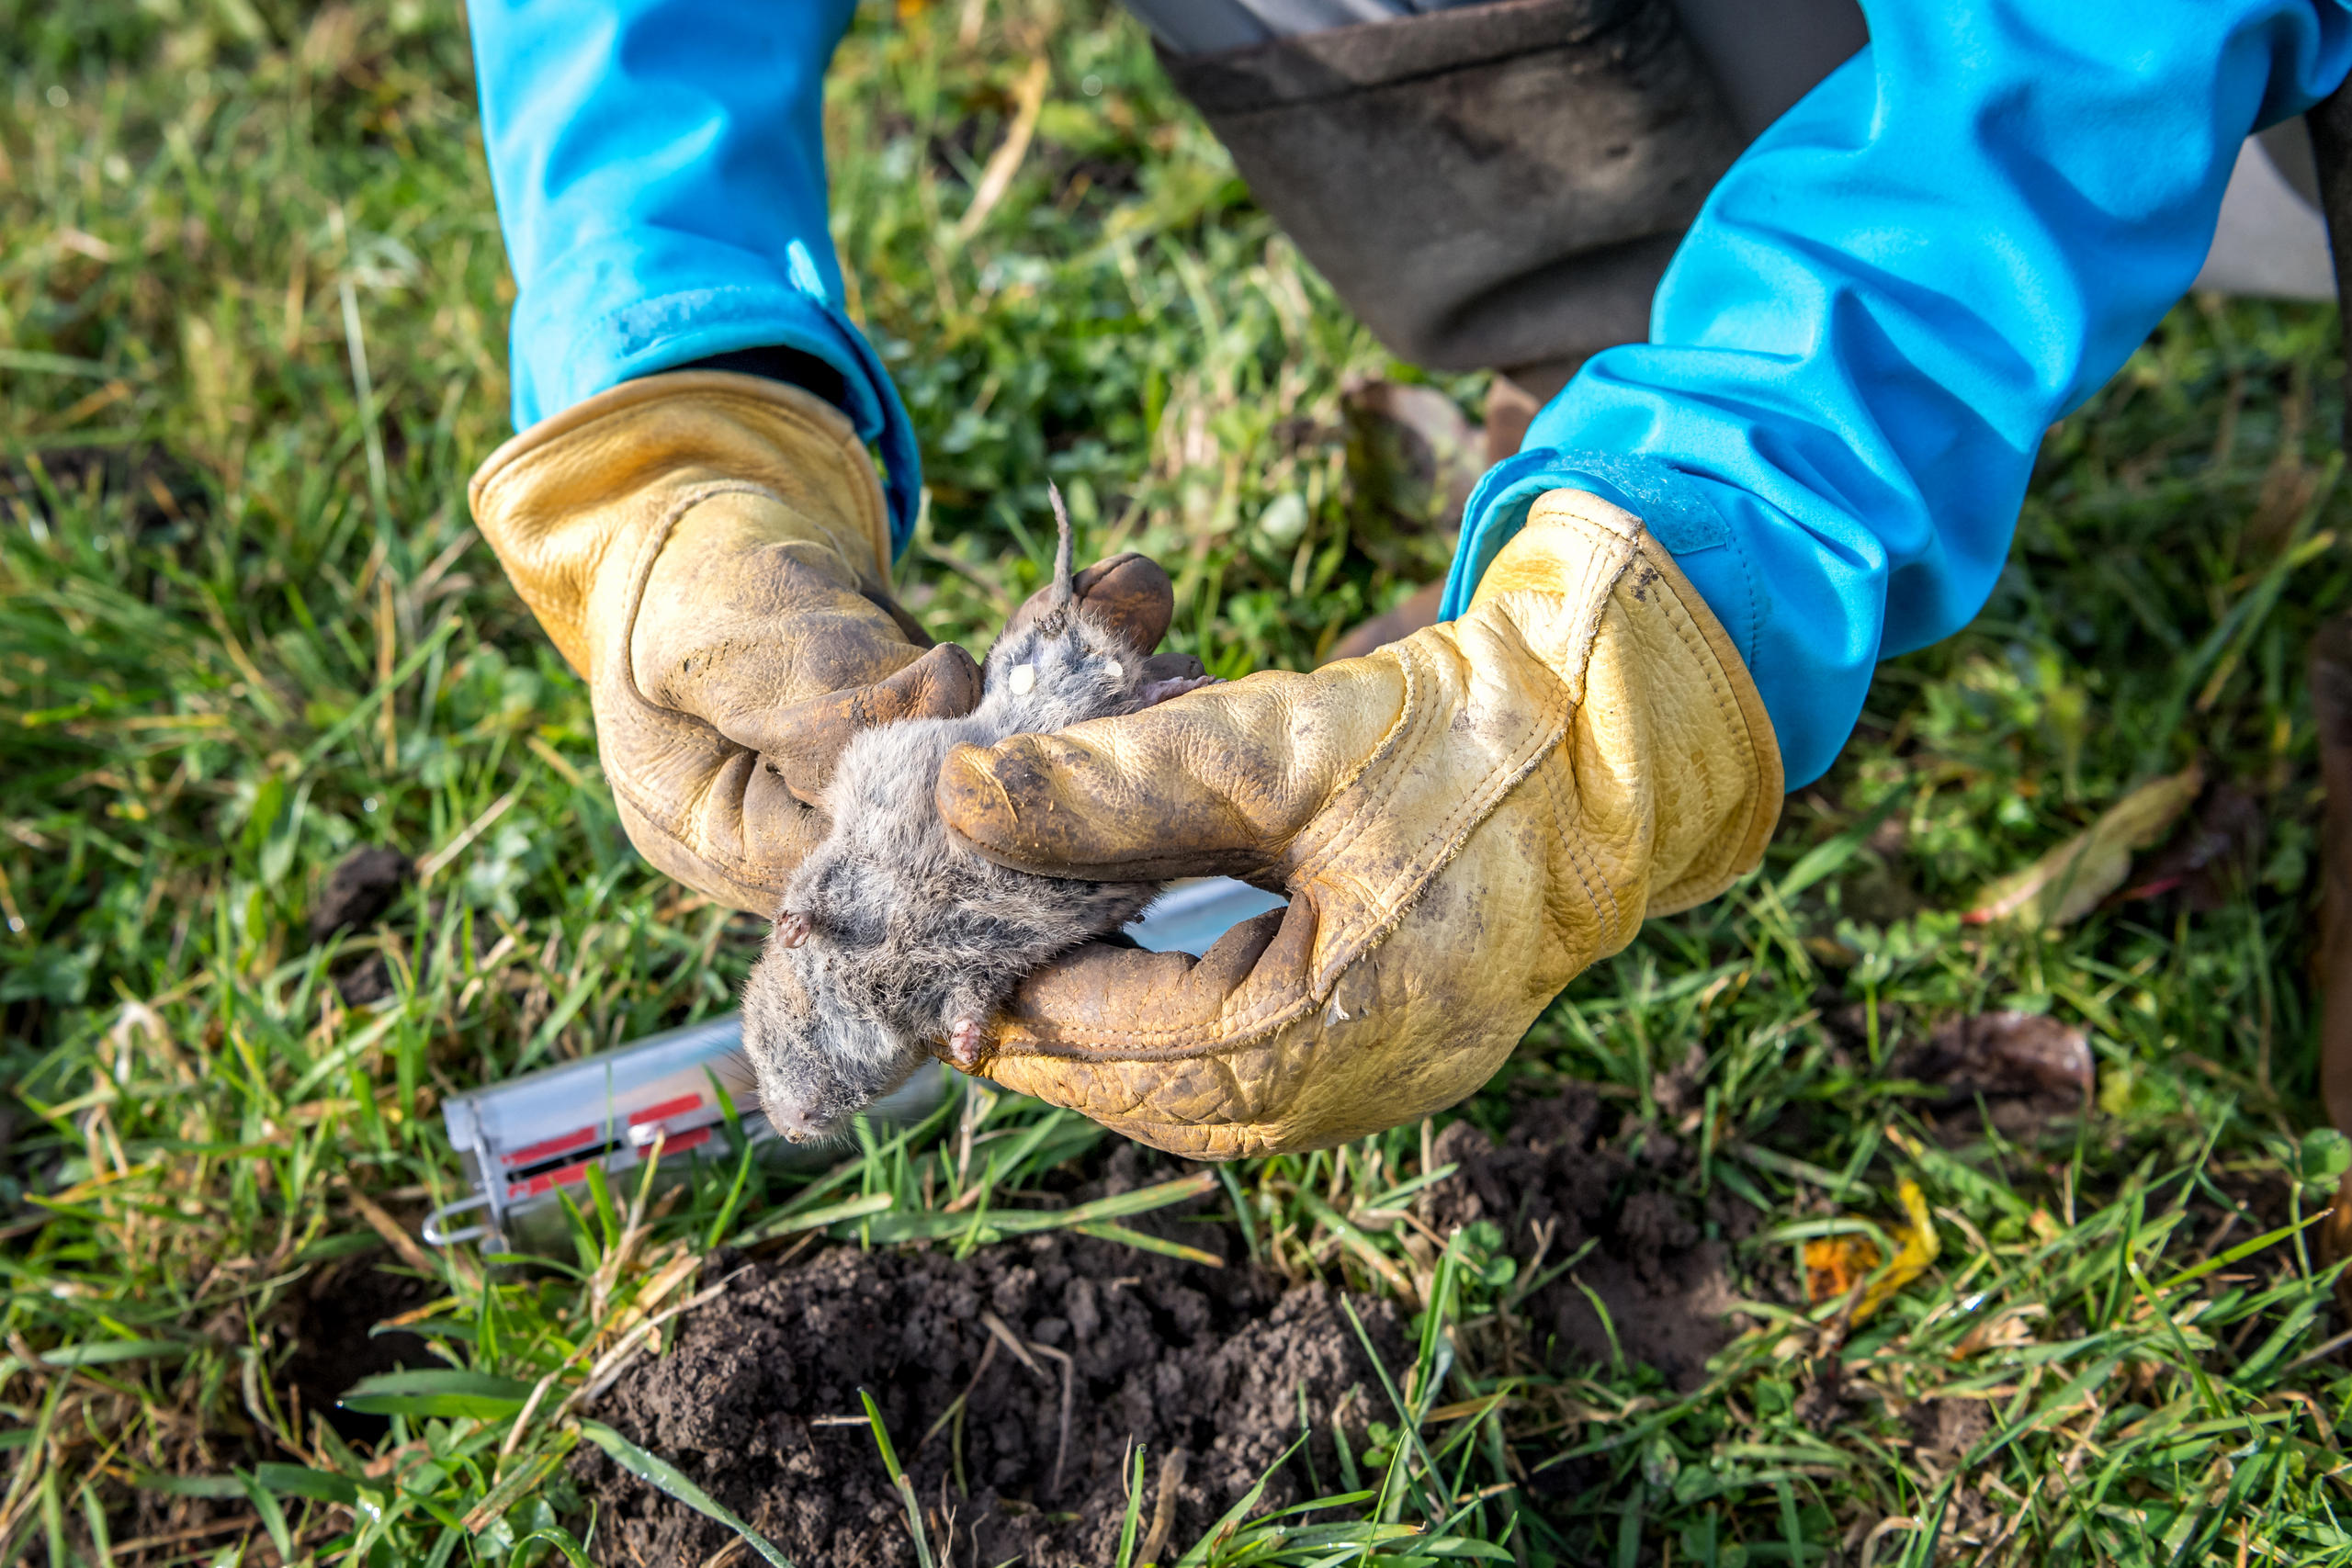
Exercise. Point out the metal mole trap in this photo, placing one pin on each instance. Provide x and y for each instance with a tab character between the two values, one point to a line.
524	1140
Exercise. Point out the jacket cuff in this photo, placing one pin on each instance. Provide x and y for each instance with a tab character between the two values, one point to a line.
563	354
1807	665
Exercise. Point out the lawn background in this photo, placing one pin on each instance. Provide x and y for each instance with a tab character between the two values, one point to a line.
252	302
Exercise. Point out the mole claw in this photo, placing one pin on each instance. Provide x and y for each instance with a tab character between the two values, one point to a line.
1157	692
792	927
964	1042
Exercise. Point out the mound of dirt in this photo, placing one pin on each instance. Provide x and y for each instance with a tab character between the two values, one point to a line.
1569	1174
757	1402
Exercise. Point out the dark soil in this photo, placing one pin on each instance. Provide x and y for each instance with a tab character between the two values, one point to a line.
1209	1364
1946	1428
757	1401
359	890
335	1344
1568	1174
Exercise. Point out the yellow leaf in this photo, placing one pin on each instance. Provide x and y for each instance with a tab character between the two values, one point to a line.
2067	884
1834	1265
1914	1249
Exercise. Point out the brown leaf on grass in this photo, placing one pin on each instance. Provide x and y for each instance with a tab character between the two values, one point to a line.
1411	454
1835	1264
2069	882
2003	1055
2213	859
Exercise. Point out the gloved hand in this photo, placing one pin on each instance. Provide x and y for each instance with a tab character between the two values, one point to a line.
1463	820
712	552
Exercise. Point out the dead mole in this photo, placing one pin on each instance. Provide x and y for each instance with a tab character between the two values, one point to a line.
895	941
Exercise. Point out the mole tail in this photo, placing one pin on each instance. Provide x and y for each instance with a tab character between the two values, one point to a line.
1063	592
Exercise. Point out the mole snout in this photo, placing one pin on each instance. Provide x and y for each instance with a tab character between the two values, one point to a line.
793	1123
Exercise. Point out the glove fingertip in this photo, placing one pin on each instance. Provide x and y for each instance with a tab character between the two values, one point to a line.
975	798
944	683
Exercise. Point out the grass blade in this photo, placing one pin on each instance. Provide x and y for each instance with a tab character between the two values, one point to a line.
1129	1526
519	1482
848	1211
437	1392
932	1226
273	1518
1226	1526
1151	1243
563	1541
906	1488
301	1481
662	1474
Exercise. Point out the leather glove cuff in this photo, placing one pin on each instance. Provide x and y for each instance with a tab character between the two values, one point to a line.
577	506
710	552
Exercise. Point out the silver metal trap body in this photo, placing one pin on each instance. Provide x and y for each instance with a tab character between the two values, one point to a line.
527	1139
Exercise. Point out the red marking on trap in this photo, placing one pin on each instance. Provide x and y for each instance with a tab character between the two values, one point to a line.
547	1180
531	1154
684	1141
677	1107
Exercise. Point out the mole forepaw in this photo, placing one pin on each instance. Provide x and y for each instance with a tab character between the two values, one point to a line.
792	927
963	1038
1157	692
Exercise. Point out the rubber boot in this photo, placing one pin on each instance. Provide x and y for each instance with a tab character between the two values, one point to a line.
1485	186
1501	186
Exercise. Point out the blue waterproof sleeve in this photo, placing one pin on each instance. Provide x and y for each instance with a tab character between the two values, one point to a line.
660	170
1948	244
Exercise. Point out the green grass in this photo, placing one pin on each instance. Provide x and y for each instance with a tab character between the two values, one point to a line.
247	627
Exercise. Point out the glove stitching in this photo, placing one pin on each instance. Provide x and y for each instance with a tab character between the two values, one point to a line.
846	447
1410	713
1578	858
1728	708
1363	817
1426	860
513	462
1547	727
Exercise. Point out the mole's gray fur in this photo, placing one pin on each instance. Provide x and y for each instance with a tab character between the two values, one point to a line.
893	936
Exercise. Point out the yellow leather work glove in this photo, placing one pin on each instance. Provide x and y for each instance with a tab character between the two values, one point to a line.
1463	820
712	552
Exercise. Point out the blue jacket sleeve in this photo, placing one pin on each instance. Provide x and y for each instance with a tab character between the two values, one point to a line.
660	172
1950	242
